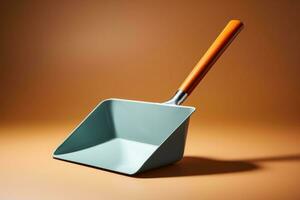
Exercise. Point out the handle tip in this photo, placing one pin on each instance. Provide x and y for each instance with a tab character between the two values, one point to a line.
236	22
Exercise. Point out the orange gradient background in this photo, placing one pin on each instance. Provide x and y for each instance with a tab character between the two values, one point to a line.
58	60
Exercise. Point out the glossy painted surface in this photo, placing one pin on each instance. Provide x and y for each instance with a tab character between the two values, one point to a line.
128	136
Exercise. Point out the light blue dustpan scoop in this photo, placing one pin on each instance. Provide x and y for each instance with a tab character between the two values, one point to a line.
128	136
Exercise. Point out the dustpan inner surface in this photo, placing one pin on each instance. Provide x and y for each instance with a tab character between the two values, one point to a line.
117	154
120	135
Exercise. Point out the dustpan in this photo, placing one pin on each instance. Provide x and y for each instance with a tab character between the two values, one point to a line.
130	137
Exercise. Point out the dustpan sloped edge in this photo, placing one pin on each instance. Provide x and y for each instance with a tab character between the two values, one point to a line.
170	151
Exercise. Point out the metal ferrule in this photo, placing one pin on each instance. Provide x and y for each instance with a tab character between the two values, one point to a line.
178	98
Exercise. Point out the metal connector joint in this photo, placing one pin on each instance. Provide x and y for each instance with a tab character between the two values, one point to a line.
178	98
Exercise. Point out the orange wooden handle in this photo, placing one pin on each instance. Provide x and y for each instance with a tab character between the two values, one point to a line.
211	56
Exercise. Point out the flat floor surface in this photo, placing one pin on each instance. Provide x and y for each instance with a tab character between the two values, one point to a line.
221	162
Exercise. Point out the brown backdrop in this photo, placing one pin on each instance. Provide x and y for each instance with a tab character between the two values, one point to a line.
59	59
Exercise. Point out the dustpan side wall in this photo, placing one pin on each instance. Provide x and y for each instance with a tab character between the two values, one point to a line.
95	129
